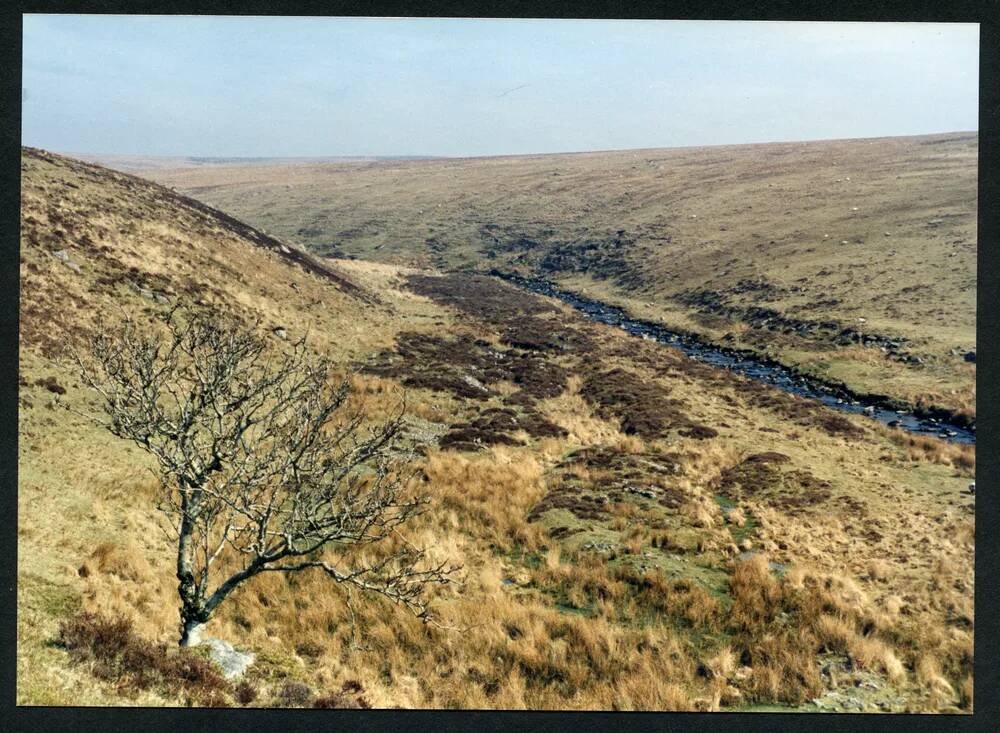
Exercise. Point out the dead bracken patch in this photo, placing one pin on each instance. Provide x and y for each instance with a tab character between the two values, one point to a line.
494	426
642	406
798	409
466	366
770	477
526	321
609	476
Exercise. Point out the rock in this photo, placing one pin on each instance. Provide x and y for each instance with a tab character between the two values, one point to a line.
146	293
870	411
63	256
284	250
475	383
972	488
232	662
648	493
935	222
280	332
161	298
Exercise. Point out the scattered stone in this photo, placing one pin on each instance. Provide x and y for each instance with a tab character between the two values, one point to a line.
972	488
280	332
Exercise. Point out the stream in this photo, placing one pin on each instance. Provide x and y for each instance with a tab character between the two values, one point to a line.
748	365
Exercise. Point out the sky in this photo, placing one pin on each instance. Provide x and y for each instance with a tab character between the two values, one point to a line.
286	86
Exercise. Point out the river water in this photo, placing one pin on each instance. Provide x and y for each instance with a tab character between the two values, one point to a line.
748	365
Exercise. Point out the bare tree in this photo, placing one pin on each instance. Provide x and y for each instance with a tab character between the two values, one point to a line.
256	457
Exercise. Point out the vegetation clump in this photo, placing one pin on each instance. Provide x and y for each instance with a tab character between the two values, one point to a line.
118	655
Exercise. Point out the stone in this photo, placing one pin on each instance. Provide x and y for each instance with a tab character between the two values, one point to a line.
161	298
63	256
280	332
475	383
233	663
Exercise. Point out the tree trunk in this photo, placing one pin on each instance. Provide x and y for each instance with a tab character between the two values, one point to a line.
190	632
192	611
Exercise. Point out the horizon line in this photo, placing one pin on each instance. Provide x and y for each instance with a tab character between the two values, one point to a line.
429	156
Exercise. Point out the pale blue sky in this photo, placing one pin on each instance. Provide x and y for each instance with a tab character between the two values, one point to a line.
265	86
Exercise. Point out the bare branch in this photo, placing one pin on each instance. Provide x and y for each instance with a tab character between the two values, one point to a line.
255	457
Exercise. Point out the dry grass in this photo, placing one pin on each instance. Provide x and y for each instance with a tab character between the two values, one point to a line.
670	618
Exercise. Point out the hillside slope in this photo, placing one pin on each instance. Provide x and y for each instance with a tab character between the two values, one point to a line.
637	530
853	259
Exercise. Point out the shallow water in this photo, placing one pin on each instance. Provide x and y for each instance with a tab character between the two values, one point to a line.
747	365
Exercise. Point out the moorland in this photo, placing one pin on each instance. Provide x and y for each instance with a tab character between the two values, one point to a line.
637	530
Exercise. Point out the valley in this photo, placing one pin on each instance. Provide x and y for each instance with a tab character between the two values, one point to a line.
637	529
852	260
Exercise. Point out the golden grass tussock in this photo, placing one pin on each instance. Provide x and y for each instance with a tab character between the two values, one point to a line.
878	569
871	653
929	675
756	593
960	456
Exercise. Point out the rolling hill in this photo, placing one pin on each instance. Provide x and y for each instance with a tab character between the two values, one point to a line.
637	530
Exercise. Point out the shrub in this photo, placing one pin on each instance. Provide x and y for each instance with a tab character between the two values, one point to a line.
118	655
246	692
294	694
346	699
